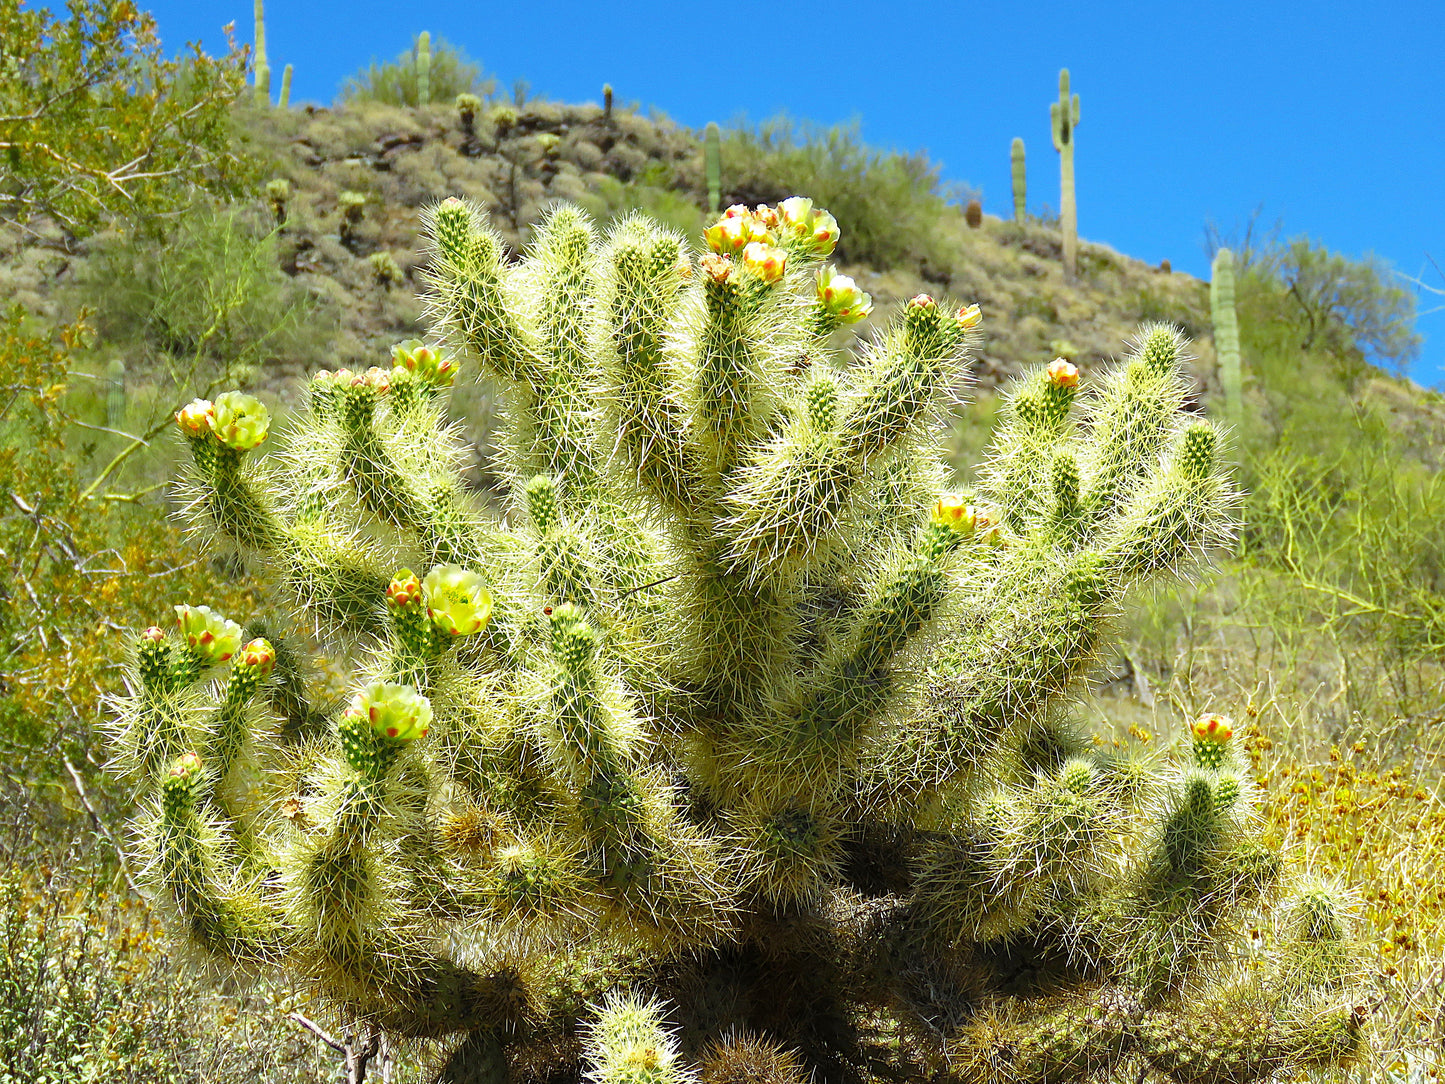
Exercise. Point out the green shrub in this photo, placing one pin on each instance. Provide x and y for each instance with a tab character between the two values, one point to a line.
397	83
613	200
96	122
201	298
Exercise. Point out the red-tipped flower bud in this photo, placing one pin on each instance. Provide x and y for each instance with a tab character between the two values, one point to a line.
1063	373
259	657
970	316
186	766
404	590
153	635
824	236
921	301
1213	728
729	235
840	296
765	261
195	417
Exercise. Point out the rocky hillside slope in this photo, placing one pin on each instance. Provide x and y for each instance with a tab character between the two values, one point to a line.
351	182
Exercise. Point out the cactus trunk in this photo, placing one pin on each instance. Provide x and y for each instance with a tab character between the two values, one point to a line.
1226	335
263	69
712	151
1063	119
423	69
1020	179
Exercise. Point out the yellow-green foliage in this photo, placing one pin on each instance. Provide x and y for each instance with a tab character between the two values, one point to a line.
108	560
103	124
91	989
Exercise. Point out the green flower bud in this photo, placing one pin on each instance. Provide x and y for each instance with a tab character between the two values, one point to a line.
457	601
241	421
153	657
210	637
428	362
395	713
404	591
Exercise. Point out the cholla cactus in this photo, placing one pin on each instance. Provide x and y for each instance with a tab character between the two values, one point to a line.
736	748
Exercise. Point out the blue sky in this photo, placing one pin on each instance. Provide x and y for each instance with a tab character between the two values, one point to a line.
1327	115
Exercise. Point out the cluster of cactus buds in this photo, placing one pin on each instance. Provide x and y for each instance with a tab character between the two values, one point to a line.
734	726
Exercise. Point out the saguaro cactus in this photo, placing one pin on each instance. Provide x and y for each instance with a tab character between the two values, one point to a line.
1020	178
285	99
1063	119
1226	334
712	152
737	749
263	69
423	68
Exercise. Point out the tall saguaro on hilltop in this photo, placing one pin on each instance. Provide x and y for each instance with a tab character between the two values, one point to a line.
1063	119
423	68
263	69
1020	178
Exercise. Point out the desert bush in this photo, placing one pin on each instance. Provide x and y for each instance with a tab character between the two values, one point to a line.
199	298
1353	313
649	194
95	121
92	992
396	83
71	566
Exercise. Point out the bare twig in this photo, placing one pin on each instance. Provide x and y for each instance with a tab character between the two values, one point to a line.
99	824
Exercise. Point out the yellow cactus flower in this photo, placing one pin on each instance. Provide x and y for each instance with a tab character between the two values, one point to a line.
457	601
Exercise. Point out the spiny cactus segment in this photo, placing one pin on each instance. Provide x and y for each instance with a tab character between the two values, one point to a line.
735	728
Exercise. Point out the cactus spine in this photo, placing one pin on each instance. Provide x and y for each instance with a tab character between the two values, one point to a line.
712	152
1020	179
1226	334
736	718
263	69
423	68
1063	119
285	100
